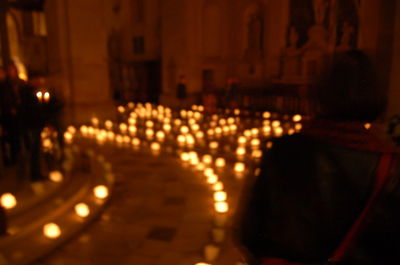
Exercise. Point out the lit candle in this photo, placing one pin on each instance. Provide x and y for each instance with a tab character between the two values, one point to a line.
167	127
220	162
155	146
100	192
242	140
240	151
39	96
123	128
298	127
199	135
8	201
297	118
135	142
108	124
121	109
208	172
239	167
214	145
184	129
56	176
82	210
207	159
149	134
255	142
221	207
266	115
185	157
160	135
46	97
220	196
51	230
132	130
219	186
276	123
256	154
149	124
212	179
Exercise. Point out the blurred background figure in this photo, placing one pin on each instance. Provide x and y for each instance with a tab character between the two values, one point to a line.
10	101
33	120
316	189
181	91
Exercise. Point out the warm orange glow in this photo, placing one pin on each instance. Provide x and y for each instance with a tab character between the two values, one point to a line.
51	230
367	126
219	186
8	201
255	142
297	118
242	140
239	167
266	115
185	157
220	196
155	146
240	151
100	191
160	135
256	154
212	179
108	124
149	124
82	209
123	127
121	109
207	159
214	145
56	176
220	162
221	207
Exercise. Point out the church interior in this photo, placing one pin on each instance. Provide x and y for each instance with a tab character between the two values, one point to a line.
149	118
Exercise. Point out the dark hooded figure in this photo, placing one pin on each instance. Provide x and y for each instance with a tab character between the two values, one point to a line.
329	193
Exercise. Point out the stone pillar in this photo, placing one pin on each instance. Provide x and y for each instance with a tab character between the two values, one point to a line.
77	37
394	92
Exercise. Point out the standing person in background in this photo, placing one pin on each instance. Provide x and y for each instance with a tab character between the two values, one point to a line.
33	121
330	194
181	91
10	101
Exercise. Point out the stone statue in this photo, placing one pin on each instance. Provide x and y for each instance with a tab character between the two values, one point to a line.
320	7
254	35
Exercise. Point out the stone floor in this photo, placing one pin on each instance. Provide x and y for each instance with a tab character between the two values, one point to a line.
160	212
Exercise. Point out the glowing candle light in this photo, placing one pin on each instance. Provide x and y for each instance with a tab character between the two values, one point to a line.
218	130
247	133
167	127
266	115
276	123
108	124
149	124
221	207
185	157
160	135
195	127
278	131
367	126
222	122
71	129
177	122
240	151
51	230
220	162
82	210
256	154
135	142
68	137
220	196
181	139
214	117
132	130
214	145
183	113
226	129
291	131
184	129
197	115
212	179
126	139
56	176
190	140
149	133
297	118
210	132
123	128
236	112
110	136
269	145
192	121
155	146
255	142
131	105
132	121
207	159
242	140
46	97
100	192
233	127
201	108
167	120
39	96
239	167
200	166
119	139
8	201
255	132
121	109
267	130
219	186
298	127
83	130
200	135
208	172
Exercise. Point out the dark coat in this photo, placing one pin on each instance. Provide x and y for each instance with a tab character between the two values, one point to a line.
306	198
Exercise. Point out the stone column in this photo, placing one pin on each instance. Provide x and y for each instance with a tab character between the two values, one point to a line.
77	37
